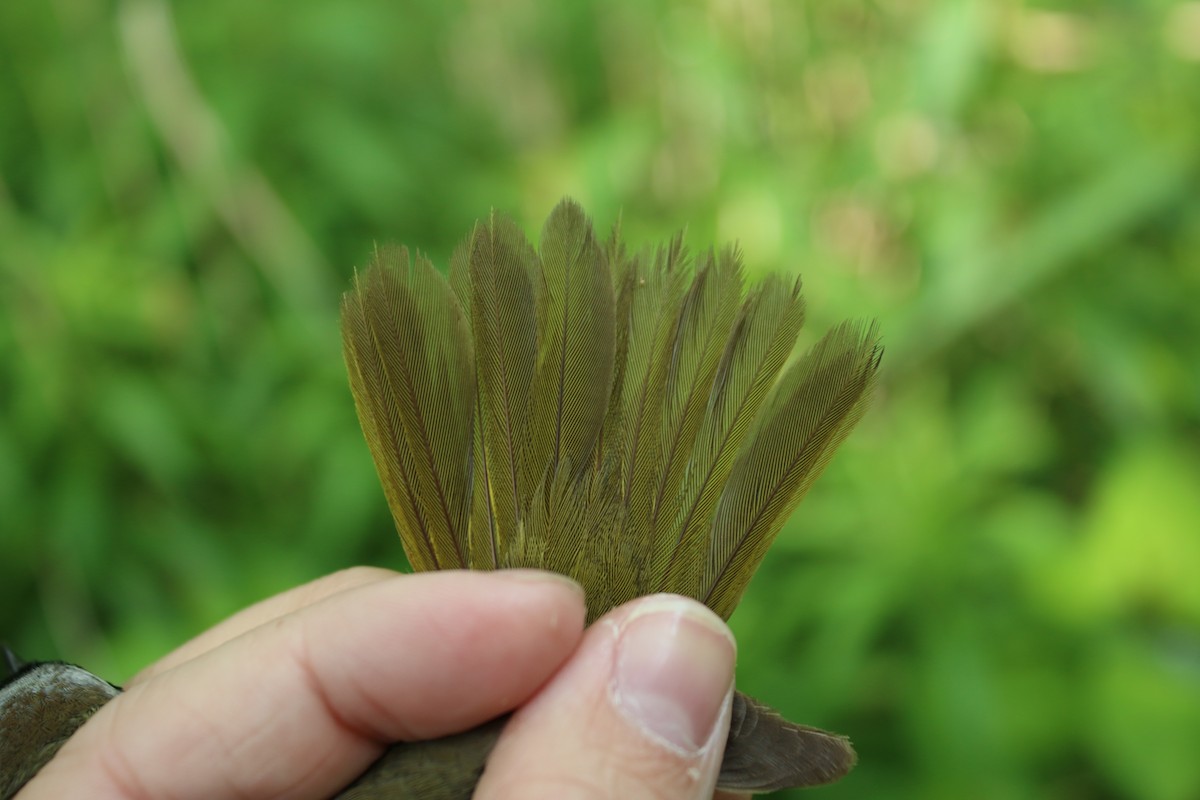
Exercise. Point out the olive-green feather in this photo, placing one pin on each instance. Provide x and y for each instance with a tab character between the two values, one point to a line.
502	267
408	333
762	337
575	345
657	294
482	539
702	328
379	417
809	413
623	269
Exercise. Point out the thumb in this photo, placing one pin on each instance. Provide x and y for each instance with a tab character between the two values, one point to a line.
640	711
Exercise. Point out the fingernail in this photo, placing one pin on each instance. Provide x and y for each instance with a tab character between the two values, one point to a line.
674	669
539	576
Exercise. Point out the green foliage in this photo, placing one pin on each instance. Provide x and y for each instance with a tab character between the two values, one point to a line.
992	589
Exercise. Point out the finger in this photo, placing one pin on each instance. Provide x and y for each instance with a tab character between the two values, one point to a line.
299	707
264	611
640	711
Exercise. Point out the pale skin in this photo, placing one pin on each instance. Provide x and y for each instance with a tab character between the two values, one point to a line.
294	696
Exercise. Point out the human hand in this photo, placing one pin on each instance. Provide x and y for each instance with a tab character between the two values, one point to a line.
297	695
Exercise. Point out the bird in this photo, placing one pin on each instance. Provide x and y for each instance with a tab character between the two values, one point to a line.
632	419
636	420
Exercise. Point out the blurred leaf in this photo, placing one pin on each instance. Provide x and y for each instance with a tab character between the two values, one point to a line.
1141	543
1145	720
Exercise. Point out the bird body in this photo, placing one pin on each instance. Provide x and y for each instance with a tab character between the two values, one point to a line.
41	705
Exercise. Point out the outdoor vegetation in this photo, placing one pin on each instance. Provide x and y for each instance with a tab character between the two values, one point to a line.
994	589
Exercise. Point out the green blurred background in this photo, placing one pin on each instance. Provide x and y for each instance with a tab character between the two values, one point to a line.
995	589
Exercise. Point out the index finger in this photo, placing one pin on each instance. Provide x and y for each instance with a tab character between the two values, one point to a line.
262	612
300	706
